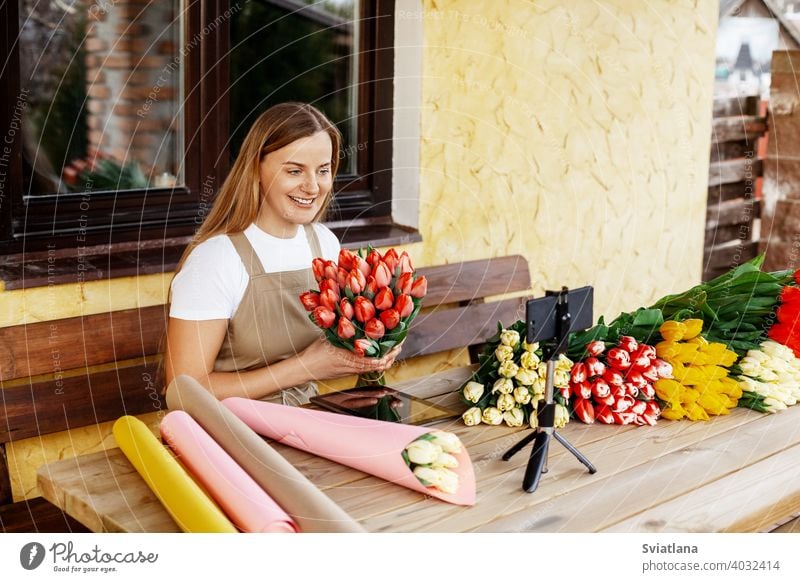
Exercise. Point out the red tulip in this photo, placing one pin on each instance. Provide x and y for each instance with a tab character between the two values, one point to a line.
346	258
595	348
639	407
628	343
623	404
341	277
371	288
613	377
318	267
328	299
373	258
330	270
404	305
603	414
346	308
663	368
634	377
345	329
639	361
330	284
356	281
362	265
584	410
629	389
390	318
374	329
391	259
364	308
594	367
310	300
324	317
648	351
607	400
623	417
382	274
582	389
405	263
363	347
420	287
384	299
618	359
650	373
404	283
648	391
600	388
578	373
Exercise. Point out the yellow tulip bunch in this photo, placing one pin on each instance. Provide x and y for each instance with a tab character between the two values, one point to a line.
700	384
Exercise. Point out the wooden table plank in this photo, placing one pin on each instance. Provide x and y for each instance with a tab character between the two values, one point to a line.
634	490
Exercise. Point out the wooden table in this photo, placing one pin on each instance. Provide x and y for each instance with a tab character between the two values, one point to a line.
733	473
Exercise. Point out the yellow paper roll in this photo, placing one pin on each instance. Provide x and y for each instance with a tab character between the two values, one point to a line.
185	501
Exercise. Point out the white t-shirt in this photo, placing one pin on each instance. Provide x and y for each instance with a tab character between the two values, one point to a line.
213	279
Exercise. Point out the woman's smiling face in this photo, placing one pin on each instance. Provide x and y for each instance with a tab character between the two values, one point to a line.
295	181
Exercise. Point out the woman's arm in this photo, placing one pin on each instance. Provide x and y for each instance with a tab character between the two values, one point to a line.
193	346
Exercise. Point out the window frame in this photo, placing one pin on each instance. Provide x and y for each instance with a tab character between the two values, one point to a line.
149	244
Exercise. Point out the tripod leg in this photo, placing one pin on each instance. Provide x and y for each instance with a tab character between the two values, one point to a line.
533	472
576	452
519	446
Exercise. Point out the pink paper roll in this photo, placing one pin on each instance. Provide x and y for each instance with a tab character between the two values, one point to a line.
371	446
245	503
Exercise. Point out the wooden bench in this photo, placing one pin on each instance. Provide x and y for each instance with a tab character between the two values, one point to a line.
68	373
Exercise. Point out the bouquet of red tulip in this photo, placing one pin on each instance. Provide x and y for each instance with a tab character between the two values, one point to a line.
365	302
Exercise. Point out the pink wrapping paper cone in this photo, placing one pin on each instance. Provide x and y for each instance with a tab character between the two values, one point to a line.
371	446
245	503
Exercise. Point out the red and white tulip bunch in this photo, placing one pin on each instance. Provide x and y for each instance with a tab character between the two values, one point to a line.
431	458
615	386
366	301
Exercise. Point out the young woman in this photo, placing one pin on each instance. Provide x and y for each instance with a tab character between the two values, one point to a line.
236	323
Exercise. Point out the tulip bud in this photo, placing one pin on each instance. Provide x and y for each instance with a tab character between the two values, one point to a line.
405	263
600	388
650	373
639	407
345	329
330	284
446	460
346	308
328	298
514	417
505	402
447	481
390	318
356	281
503	385
420	287
603	414
578	373
635	378
647	391
346	259
371	288
582	389
595	348
384	299
364	347
472	417
584	410
631	390
594	367
628	343
341	277
473	391
503	353
373	258
318	268
423	452
618	359
529	360
522	395
404	305
330	270
606	400
562	416
404	283
391	260
310	300
374	329
492	416
622	404
509	337
525	377
323	317
382	275
447	440
508	369
613	377
362	265
364	309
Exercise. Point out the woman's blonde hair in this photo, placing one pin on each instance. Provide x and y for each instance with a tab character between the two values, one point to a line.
239	200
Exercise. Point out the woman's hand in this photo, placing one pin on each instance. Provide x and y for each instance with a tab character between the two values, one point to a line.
324	361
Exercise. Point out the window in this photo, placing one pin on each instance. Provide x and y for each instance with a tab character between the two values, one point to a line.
121	119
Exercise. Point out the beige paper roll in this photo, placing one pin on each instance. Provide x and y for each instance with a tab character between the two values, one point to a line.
311	509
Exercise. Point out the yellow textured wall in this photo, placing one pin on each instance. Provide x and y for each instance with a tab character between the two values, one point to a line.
575	133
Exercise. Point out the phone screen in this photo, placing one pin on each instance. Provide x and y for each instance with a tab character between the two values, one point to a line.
384	403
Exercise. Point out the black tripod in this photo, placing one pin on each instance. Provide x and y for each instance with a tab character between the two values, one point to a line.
537	464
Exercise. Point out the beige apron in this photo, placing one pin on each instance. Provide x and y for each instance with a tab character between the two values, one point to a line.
270	323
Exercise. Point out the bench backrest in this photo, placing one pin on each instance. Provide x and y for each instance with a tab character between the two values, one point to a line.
80	371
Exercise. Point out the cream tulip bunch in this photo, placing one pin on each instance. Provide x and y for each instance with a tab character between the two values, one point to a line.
769	378
431	458
510	382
